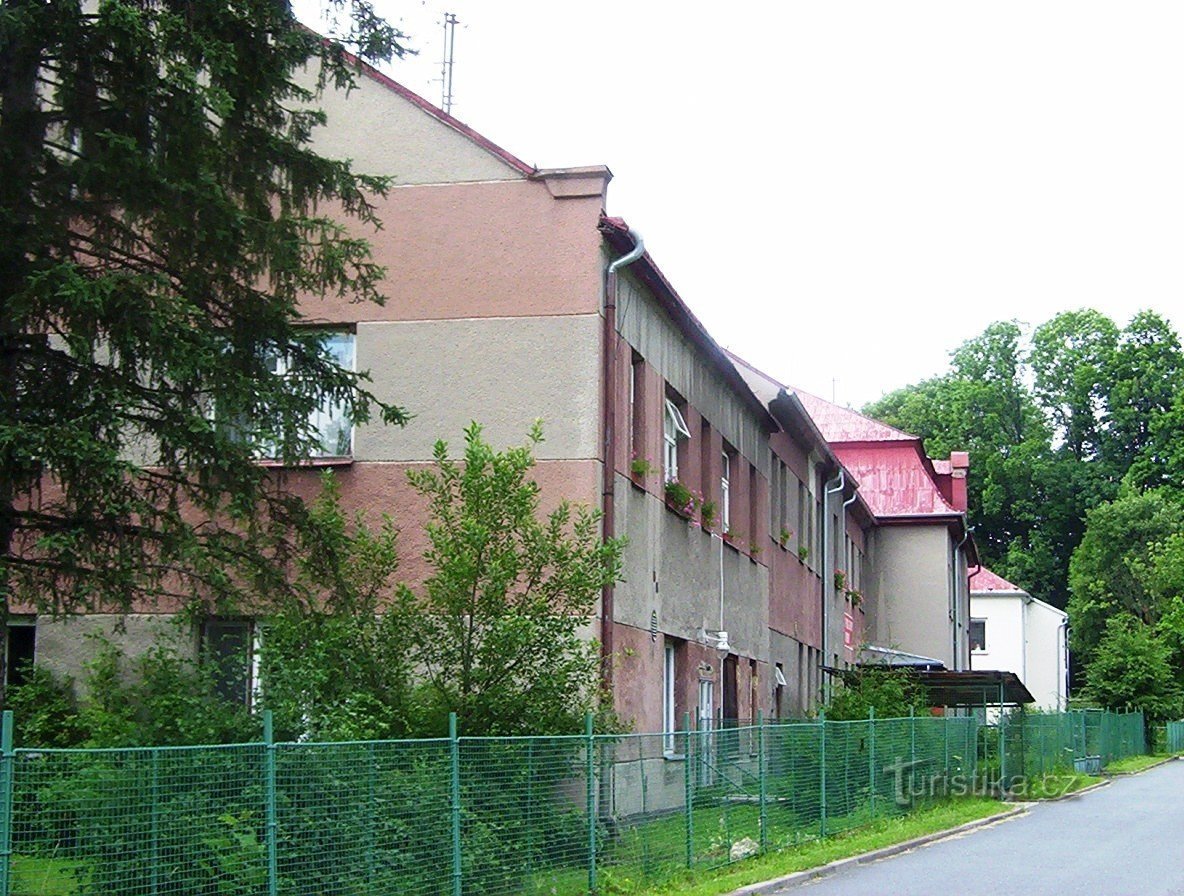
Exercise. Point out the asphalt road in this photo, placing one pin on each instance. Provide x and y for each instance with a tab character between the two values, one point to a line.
1127	838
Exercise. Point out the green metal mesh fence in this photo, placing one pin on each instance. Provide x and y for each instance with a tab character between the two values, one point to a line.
459	815
1174	736
1022	744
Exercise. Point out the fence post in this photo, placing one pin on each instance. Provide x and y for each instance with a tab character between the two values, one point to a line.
454	754
912	741
1002	749
154	857
269	771
590	774
7	774
372	819
688	789
762	771
822	774
871	757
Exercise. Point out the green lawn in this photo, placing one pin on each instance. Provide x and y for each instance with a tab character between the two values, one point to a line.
875	835
1052	785
42	877
1134	764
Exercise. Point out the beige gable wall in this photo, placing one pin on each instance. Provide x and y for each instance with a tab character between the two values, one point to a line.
383	133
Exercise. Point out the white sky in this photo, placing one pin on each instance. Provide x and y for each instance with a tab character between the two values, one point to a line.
844	191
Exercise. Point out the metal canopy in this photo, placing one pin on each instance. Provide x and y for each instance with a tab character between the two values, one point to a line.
975	688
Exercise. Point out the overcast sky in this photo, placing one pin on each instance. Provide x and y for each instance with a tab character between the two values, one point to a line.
844	191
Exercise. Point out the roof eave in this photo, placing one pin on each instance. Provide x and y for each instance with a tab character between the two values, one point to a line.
617	233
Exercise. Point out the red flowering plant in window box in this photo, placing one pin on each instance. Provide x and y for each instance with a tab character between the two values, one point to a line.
681	499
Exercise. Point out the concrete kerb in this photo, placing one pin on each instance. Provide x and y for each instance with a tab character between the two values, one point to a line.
801	877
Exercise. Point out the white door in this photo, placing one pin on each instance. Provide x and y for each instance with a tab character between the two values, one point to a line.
706	749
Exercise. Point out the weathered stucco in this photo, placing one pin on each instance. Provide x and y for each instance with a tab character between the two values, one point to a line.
384	133
648	328
673	569
505	249
502	372
66	645
913	583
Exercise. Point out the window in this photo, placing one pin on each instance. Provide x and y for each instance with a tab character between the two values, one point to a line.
978	635
779	685
669	718
725	491
674	431
332	427
636	406
803	519
232	645
22	644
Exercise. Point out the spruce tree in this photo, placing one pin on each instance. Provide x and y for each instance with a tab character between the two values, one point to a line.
163	219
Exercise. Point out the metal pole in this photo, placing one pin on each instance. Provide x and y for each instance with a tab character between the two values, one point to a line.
372	817
912	740
530	803
454	750
688	789
762	770
8	758
269	771
822	774
1002	743
871	757
154	858
590	774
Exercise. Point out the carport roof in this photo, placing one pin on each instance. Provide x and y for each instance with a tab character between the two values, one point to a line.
975	688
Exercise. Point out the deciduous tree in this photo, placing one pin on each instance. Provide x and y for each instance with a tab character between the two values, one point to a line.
499	627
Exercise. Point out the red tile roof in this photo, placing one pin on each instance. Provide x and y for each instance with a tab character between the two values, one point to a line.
984	580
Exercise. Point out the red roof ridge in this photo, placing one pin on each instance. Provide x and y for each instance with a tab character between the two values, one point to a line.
984	580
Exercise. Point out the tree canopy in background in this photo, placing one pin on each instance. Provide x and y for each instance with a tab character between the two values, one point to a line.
161	216
1076	483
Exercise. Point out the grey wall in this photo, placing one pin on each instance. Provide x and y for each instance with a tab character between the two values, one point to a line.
502	372
647	328
912	571
673	568
385	134
65	646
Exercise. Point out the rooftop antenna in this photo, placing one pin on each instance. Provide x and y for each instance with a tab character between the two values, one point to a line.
450	22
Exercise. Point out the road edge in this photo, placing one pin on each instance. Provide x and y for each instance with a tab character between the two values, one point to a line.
801	877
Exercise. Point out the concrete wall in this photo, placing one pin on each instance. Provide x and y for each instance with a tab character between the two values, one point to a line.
912	576
454	251
1046	655
66	646
1004	618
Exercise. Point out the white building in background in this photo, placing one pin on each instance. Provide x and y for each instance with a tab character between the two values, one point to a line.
1011	631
